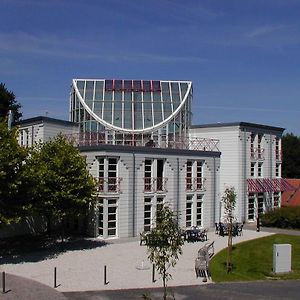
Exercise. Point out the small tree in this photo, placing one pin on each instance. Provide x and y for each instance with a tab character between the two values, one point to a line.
164	243
229	201
62	186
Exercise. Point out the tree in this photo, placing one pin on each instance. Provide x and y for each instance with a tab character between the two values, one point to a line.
12	166
8	102
229	201
61	184
164	243
291	156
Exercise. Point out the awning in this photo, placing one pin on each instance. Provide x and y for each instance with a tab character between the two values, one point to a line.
262	185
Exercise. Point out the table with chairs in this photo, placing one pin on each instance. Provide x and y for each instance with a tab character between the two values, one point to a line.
222	229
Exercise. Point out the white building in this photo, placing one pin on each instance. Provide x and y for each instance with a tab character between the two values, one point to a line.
134	134
143	151
250	162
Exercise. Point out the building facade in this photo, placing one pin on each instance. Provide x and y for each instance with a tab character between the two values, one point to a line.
134	134
250	162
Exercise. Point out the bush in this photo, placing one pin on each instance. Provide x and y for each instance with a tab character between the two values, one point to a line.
284	217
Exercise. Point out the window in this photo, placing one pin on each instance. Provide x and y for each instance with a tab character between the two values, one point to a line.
251	206
148	176
277	149
276	199
199	178
252	171
259	148
111	217
189	180
189	211
194	175
260	203
252	145
259	169
108	180
199	210
100	211
159	203
107	215
278	170
147	213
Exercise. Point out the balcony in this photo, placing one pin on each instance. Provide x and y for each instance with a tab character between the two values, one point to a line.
257	154
278	155
194	184
143	140
109	184
155	184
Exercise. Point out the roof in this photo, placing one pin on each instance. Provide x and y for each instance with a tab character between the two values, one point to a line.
132	106
241	124
42	119
292	198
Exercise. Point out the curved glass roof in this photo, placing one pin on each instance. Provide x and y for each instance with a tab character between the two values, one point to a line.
135	106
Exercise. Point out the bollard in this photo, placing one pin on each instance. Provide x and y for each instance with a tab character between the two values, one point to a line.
105	281
3	282
153	273
55	285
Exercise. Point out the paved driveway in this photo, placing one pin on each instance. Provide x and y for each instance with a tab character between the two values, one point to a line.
260	290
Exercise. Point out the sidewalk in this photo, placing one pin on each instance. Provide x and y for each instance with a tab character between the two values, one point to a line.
126	262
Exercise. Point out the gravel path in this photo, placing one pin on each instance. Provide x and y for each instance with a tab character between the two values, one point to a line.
127	266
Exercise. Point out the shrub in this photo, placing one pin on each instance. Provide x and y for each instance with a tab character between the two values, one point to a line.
284	217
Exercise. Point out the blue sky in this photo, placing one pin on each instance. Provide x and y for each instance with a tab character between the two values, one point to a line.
242	56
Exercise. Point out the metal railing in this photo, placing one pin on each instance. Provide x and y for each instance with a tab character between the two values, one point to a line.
155	184
257	154
194	184
140	140
109	184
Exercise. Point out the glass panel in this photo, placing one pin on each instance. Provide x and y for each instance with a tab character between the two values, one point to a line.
138	110
128	85
156	86
137	85
127	110
118	109
175	94
80	86
146	86
118	85
99	90
108	85
147	110
107	106
89	93
183	88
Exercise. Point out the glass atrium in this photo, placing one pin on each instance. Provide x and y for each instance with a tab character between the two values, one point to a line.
140	109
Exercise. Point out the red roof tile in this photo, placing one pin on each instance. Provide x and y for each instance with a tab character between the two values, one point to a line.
291	198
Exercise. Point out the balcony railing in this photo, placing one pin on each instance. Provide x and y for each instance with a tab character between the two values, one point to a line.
278	155
257	154
155	184
144	140
194	184
109	184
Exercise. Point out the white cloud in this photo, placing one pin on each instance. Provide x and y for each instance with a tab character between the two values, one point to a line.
264	30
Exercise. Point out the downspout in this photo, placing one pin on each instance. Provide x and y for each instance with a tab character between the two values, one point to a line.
178	191
133	197
215	190
245	177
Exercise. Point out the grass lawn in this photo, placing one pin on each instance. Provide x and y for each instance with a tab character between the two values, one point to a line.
253	260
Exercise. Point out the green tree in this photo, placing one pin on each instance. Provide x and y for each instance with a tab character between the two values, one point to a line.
229	202
12	164
291	156
8	102
61	184
164	244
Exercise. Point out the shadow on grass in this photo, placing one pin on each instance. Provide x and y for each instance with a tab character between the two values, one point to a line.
37	248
